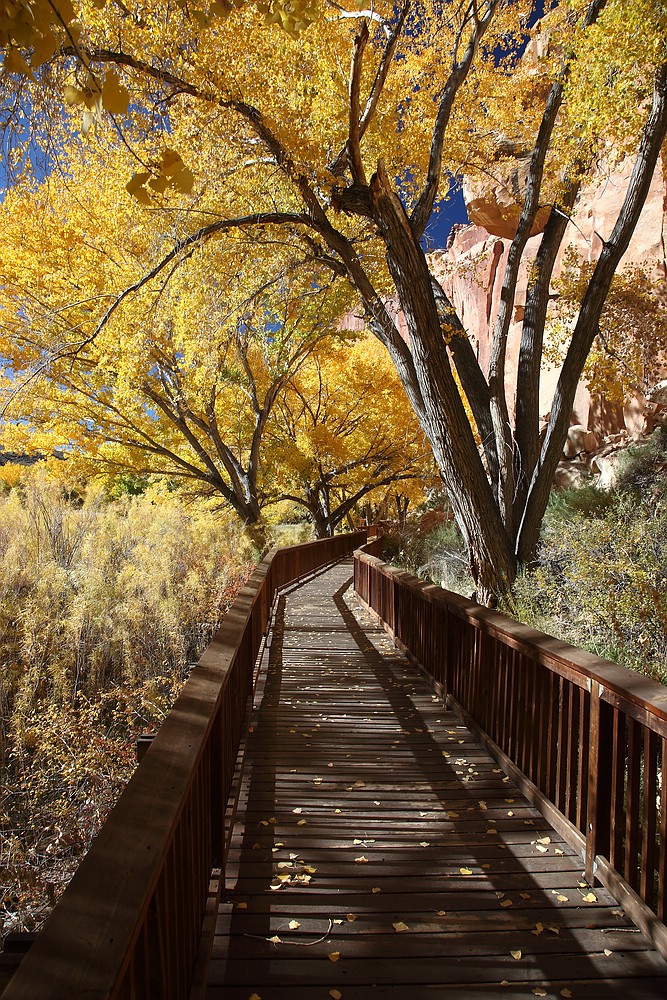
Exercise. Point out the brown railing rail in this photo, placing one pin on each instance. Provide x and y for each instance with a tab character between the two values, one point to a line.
586	739
129	923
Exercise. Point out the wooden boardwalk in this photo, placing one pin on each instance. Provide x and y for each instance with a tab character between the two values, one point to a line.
379	852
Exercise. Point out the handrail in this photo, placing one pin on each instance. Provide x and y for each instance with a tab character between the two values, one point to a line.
129	923
585	739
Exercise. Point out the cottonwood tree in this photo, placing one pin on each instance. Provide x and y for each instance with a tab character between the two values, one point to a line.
343	432
342	141
184	382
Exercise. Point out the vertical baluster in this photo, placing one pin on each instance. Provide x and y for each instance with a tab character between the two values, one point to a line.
563	743
633	804
616	849
599	736
573	739
662	858
649	818
584	758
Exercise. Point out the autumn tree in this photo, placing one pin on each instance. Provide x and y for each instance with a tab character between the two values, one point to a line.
342	432
184	382
340	143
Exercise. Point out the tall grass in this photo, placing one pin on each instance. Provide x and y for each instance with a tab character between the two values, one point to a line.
103	608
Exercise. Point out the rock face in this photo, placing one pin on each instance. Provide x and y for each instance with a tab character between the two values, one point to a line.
472	267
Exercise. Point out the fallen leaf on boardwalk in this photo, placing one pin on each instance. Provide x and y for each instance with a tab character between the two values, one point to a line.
453	815
541	848
329	765
482	804
302	822
528	822
506	902
351	917
263	822
516	954
283	878
525	895
510	812
376	889
544	840
400	926
361	861
301	878
538	929
256	847
590	897
497	770
492	830
360	784
465	871
294	925
486	867
554	930
539	992
441	913
298	810
275	939
445	753
557	850
608	952
335	994
333	956
241	906
309	869
337	921
423	843
504	983
254	996
338	810
272	820
560	897
376	802
317	781
566	993
284	864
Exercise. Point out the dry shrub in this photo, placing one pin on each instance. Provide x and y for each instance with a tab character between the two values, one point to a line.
103	608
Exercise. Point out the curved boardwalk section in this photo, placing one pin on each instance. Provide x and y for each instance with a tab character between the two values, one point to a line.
379	852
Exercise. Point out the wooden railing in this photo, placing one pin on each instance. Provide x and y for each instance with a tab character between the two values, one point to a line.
129	923
584	738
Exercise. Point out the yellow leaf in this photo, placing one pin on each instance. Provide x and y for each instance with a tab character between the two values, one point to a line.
399	927
538	929
539	992
441	913
241	906
335	994
333	956
376	889
351	917
275	939
115	97
516	954
74	96
294	925
297	810
566	993
302	822
15	63
506	902
608	952
362	860
465	871
590	897
184	181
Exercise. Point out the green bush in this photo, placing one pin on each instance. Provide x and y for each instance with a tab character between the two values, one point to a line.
600	579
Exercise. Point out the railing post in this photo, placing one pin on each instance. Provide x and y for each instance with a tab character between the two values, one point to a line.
598	812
